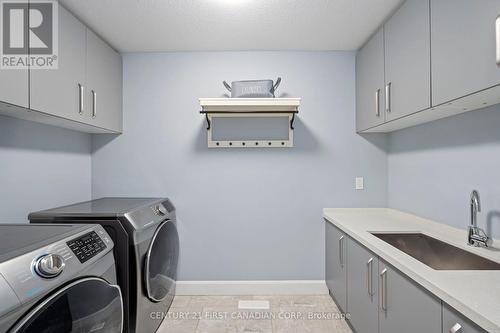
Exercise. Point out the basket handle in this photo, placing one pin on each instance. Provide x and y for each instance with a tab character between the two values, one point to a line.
277	84
228	87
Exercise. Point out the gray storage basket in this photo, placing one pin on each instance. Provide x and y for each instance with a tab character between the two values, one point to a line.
252	88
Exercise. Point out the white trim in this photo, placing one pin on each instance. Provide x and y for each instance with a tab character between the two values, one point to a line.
235	104
477	100
282	287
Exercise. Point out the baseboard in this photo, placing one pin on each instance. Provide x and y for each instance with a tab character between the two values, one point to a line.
282	287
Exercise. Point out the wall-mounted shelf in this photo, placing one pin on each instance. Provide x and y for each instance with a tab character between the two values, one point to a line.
249	107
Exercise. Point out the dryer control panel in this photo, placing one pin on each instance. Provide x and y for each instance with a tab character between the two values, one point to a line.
87	246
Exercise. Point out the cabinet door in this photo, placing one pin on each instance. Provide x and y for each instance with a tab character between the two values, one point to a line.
336	270
407	60
362	289
453	322
57	91
370	83
404	306
463	47
104	82
14	86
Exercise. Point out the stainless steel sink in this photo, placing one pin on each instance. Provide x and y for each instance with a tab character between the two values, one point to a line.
435	253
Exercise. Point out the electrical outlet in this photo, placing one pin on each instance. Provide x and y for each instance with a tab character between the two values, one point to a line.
360	183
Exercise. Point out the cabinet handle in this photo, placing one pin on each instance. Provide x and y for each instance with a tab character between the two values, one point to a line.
377	103
94	104
81	93
341	251
388	97
369	277
456	328
383	289
497	24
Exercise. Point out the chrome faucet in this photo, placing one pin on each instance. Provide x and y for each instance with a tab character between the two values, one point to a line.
476	236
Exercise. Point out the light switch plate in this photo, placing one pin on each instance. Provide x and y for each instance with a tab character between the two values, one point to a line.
360	183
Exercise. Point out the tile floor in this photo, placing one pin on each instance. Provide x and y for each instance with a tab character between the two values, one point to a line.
285	314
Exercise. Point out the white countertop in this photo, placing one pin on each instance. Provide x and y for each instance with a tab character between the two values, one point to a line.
475	294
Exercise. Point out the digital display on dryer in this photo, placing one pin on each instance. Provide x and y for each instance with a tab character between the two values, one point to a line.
87	246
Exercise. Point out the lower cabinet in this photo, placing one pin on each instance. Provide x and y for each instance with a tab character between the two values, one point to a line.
379	298
336	269
453	322
404	306
362	288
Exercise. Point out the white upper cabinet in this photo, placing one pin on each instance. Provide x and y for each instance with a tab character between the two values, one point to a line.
14	82
441	58
14	86
393	69
60	91
84	93
104	84
408	60
463	47
370	83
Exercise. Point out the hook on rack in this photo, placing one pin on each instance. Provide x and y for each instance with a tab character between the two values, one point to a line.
291	121
208	121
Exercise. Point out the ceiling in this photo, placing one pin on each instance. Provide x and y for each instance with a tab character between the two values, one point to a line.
215	25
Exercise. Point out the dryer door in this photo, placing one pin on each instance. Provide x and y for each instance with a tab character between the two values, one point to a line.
86	305
160	270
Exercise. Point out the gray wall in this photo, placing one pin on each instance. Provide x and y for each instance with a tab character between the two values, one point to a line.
41	166
243	214
434	167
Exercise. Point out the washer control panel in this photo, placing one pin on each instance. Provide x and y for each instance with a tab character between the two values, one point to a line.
87	246
34	273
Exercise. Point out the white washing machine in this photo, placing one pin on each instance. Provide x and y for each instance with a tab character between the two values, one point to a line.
58	278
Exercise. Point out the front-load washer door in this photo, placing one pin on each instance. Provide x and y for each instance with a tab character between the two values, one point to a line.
160	269
86	305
